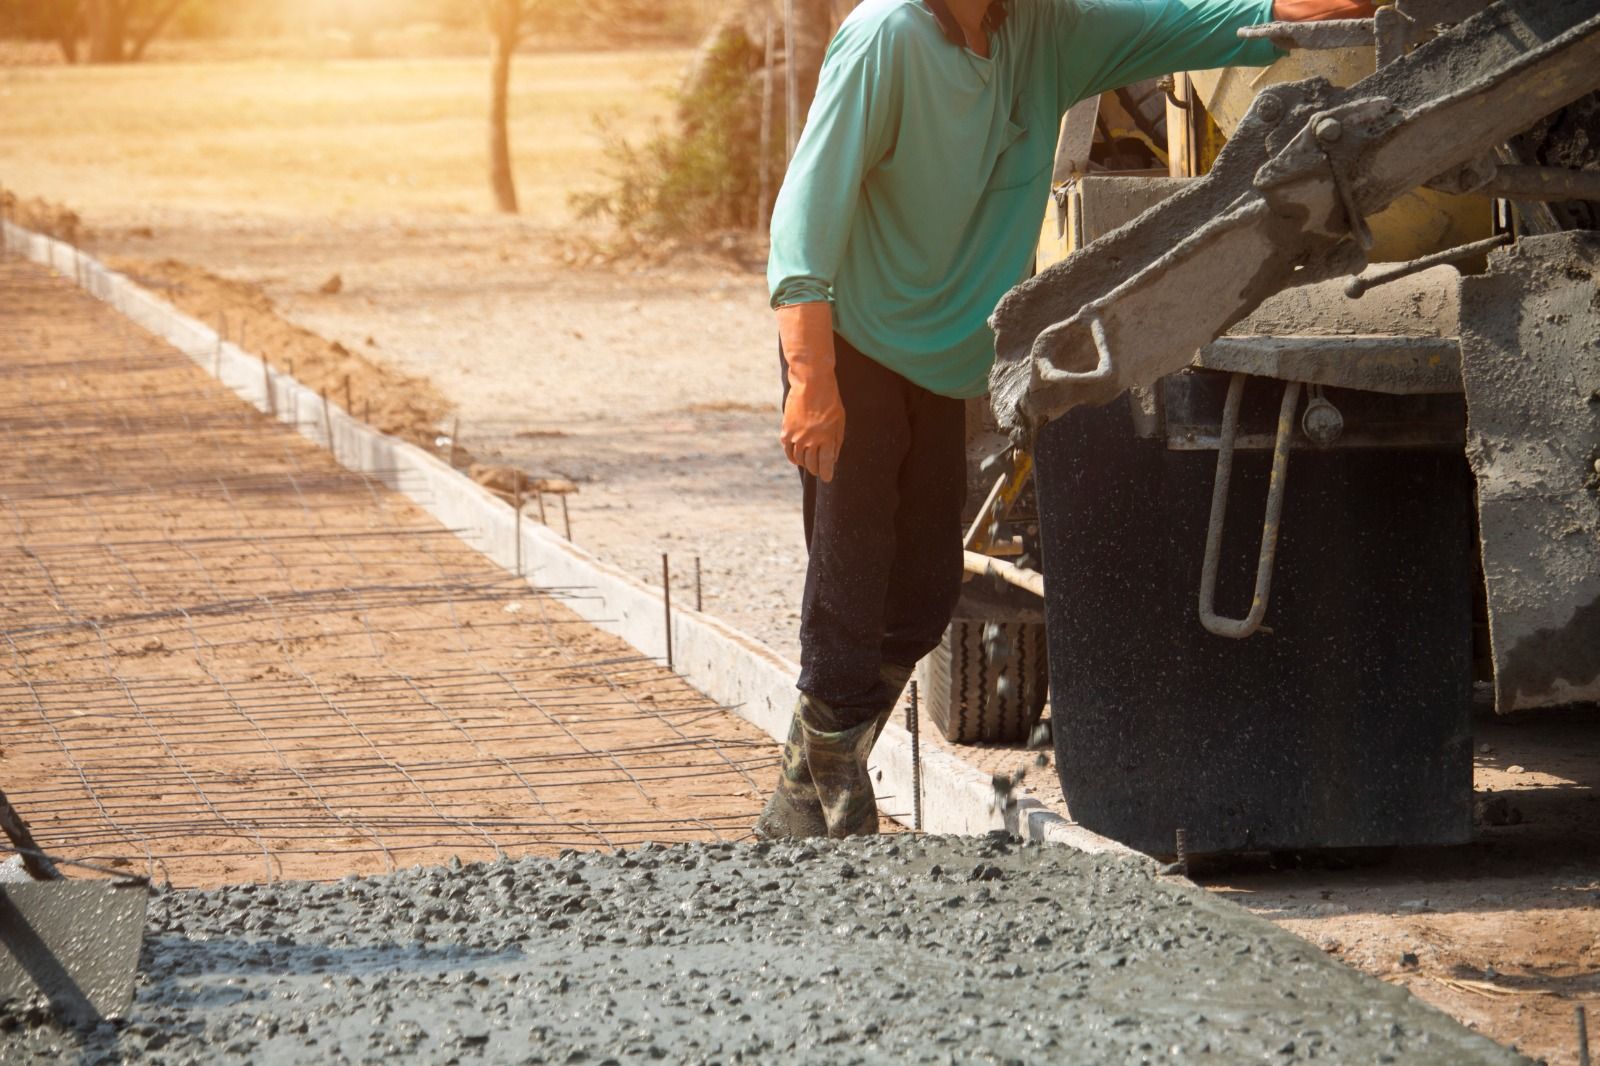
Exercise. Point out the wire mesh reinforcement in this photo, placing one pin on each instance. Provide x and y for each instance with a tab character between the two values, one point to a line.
223	657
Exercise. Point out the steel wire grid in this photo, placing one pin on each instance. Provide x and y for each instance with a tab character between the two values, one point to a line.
225	657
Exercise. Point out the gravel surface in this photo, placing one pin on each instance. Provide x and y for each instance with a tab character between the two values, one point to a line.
870	950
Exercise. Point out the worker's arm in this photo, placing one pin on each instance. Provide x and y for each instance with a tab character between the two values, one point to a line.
1106	44
850	128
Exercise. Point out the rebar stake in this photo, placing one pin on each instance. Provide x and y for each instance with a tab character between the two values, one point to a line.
1583	1034
266	383
222	336
1181	845
517	523
699	600
538	495
666	602
914	728
327	423
455	433
566	519
349	408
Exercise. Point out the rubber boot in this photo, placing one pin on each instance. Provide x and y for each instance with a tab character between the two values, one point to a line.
837	753
794	809
837	757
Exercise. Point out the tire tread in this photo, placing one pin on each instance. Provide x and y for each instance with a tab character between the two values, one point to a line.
960	684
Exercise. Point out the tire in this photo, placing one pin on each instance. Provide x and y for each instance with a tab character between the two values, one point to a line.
962	687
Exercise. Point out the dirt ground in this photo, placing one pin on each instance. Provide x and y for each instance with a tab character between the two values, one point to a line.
1504	933
654	391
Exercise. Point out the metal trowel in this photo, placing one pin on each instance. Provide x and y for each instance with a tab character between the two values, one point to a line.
74	942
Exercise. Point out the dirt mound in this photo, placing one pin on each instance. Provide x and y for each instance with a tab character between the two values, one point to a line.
396	403
503	480
42	216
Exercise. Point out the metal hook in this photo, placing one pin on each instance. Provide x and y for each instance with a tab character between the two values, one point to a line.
1239	628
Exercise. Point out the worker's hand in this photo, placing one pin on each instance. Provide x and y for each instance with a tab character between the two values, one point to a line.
813	414
1318	10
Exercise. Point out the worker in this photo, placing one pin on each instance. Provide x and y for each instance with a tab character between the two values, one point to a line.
912	204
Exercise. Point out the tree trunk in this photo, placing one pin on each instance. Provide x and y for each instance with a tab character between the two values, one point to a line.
500	180
116	33
108	25
155	26
66	23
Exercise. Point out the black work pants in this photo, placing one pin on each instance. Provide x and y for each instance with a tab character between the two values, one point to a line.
883	537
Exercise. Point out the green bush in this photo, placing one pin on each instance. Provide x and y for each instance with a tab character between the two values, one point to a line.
702	179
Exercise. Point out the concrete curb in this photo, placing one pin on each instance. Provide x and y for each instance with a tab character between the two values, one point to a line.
753	680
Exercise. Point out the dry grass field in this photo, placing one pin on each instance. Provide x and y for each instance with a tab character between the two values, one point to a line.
316	137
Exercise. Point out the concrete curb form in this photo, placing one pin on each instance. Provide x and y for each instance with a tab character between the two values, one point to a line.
732	668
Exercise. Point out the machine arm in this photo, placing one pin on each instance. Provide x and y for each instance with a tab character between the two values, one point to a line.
1284	205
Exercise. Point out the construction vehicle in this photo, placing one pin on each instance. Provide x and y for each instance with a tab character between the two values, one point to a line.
1298	448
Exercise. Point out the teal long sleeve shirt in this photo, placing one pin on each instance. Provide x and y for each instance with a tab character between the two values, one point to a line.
916	193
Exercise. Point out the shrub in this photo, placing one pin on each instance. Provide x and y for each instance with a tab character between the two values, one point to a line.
701	179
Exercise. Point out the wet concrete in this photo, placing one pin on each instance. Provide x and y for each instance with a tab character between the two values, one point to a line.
1530	355
893	949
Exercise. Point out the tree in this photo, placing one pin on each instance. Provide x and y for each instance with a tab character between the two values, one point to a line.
57	20
713	172
507	25
810	23
118	31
